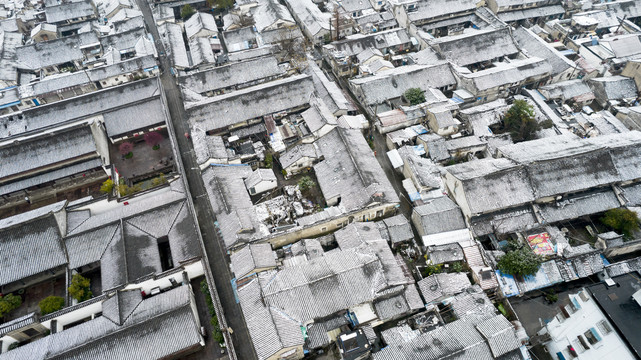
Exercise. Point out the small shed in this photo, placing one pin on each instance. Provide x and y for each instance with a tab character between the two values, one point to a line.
261	180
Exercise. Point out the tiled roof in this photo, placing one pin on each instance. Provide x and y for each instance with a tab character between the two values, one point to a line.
500	335
476	47
437	286
438	215
30	248
262	325
231	75
160	326
46	150
324	285
350	171
401	304
441	254
390	84
399	229
268	98
252	257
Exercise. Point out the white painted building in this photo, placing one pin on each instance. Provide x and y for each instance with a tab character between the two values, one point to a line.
582	331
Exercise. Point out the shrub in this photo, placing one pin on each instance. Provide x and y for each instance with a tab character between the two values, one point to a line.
126	149
125	190
269	160
157	181
80	288
153	139
8	303
456	267
432	269
51	304
521	261
624	220
370	142
415	96
551	297
220	4
217	334
186	12
519	120
107	186
305	184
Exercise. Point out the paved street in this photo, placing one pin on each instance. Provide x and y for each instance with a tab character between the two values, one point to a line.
213	245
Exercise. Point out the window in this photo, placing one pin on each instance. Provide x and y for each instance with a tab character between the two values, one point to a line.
604	327
583	296
577	346
592	336
575	305
583	343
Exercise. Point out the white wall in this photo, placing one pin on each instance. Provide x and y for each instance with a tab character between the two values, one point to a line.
565	333
193	270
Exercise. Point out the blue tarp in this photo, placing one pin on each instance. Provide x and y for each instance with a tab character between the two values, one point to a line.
415	196
419	150
235	288
507	284
419	129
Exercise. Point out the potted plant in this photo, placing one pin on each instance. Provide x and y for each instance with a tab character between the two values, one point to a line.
153	139
126	149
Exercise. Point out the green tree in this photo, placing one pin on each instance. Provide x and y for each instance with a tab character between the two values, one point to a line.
457	267
551	296
186	12
125	190
160	180
269	160
220	4
624	220
51	304
415	96
305	184
80	288
107	186
521	261
8	303
432	269
519	120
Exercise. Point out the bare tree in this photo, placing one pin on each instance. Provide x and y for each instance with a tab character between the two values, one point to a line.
293	48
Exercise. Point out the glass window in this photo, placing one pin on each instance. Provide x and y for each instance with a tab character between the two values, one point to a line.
604	327
590	336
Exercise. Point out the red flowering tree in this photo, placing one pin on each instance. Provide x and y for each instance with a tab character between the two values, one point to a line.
153	139
126	149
